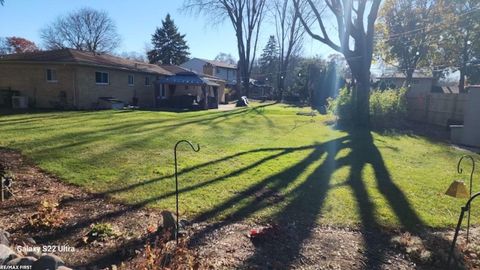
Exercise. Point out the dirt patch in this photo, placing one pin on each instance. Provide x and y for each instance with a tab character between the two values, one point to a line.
81	211
224	245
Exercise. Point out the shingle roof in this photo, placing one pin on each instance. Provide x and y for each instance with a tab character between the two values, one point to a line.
175	69
84	58
416	75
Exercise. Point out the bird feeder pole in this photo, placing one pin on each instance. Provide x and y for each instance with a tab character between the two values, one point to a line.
460	170
176	179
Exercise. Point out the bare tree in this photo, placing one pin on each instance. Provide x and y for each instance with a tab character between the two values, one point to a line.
226	58
290	32
135	56
86	29
246	17
355	24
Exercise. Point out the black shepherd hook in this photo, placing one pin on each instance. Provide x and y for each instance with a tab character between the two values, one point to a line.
460	171
176	176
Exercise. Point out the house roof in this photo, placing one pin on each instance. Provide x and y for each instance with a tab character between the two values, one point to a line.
446	89
175	69
219	64
416	75
178	70
84	58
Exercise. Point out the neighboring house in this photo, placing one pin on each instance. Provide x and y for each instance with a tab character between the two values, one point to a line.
73	79
224	71
206	90
421	84
189	83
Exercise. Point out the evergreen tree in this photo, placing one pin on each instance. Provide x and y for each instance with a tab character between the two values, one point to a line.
169	46
269	61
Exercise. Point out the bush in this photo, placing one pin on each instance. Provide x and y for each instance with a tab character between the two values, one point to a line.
388	108
342	105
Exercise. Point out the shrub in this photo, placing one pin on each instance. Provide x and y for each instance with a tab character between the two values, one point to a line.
342	105
388	108
48	216
101	232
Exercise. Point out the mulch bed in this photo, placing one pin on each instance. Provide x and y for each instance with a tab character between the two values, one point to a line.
223	245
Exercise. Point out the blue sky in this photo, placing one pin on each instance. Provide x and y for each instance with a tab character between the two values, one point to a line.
136	21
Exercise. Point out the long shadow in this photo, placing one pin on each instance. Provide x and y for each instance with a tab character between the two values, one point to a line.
68	229
303	210
305	207
283	150
365	150
303	204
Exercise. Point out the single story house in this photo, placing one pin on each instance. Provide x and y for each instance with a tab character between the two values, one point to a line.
73	79
421	84
224	71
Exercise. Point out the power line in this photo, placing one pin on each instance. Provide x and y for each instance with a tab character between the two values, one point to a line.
461	17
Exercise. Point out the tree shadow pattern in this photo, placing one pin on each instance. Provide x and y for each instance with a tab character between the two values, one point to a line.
311	192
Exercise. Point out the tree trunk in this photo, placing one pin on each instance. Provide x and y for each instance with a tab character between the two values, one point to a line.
361	93
461	82
409	79
463	68
281	84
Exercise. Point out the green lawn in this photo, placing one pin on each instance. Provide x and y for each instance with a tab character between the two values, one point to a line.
264	163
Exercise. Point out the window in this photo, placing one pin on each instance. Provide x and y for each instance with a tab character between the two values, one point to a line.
147	81
101	77
131	80
51	75
218	70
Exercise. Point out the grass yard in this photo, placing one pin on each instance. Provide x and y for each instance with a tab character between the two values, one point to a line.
261	163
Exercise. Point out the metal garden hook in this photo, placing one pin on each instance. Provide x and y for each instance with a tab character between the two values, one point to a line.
176	177
460	171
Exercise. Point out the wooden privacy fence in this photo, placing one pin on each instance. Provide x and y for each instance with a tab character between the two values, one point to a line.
436	108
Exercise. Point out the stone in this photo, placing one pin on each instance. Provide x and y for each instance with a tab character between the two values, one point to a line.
34	254
67	197
48	262
12	256
28	261
64	268
30	240
5	254
4	235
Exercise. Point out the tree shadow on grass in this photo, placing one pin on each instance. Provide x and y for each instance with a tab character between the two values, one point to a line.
68	229
303	204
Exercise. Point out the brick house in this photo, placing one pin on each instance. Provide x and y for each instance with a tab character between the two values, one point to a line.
72	79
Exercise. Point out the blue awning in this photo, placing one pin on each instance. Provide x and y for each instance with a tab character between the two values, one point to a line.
186	80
